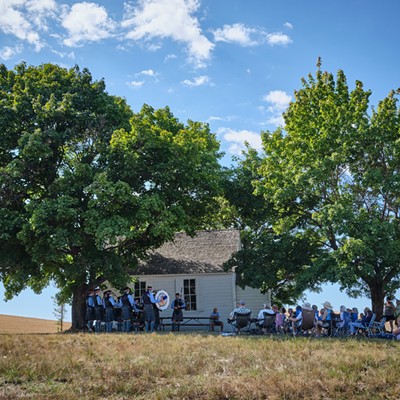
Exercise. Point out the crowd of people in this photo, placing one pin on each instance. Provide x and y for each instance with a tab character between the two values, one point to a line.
125	313
348	321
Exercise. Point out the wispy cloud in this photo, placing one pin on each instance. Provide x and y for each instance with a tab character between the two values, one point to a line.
279	101
197	81
135	84
8	52
278	39
85	23
172	19
25	19
247	36
237	138
288	25
149	72
237	33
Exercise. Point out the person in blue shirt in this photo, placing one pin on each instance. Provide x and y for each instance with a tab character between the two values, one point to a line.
126	303
177	305
109	303
98	309
215	321
148	300
90	311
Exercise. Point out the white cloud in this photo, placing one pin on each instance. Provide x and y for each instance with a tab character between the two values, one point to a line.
197	81
169	19
279	102
70	55
279	39
237	139
8	52
135	84
169	57
236	33
288	25
149	72
25	18
87	22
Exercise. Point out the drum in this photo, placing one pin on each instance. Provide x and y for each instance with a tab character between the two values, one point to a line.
164	297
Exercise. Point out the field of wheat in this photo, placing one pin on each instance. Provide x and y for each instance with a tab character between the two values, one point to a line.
14	324
195	366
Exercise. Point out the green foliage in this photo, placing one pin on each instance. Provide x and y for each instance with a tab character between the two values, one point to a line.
333	178
87	187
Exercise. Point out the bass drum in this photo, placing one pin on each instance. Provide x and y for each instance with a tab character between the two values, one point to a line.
164	297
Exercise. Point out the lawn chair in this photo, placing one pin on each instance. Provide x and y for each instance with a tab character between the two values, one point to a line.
308	322
377	328
268	325
241	323
365	329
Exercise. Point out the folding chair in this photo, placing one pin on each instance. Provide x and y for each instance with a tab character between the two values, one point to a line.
241	323
268	325
307	322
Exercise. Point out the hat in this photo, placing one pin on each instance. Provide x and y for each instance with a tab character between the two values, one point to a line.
126	288
327	305
242	302
90	291
149	287
96	289
307	306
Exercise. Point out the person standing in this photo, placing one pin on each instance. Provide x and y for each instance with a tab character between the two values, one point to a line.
389	312
177	315
109	304
148	300
126	303
98	309
90	311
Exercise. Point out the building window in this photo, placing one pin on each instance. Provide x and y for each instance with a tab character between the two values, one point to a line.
140	288
189	294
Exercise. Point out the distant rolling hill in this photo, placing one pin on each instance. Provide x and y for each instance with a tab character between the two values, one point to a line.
13	324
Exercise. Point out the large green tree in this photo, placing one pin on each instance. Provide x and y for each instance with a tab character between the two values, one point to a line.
86	186
333	177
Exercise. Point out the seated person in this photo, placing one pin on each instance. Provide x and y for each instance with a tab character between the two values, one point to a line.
261	315
240	309
365	320
215	321
296	319
326	318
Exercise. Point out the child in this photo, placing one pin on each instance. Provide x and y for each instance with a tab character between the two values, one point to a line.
214	320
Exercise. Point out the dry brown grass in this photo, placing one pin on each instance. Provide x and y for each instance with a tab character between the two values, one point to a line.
194	366
13	324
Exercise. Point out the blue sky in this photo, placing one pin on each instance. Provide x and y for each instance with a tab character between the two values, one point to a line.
231	63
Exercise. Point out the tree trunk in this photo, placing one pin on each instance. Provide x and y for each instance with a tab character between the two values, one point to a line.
79	307
377	298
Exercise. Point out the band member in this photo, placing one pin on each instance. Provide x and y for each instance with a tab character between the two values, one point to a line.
98	309
109	304
177	315
126	303
148	300
90	313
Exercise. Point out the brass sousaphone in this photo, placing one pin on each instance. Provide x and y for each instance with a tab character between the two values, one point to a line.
164	298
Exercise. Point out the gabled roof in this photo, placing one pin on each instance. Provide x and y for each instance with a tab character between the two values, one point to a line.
204	253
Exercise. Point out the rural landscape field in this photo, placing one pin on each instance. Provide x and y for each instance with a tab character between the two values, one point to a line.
195	366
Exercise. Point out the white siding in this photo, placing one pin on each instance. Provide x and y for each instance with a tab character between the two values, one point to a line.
253	298
212	290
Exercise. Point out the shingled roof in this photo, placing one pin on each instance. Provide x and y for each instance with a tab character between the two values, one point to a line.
204	253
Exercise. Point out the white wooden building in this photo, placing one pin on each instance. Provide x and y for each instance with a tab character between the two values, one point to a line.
194	268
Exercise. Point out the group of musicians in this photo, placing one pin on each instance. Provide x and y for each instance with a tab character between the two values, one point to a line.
127	313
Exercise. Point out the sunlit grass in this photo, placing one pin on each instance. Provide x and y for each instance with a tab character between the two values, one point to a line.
195	366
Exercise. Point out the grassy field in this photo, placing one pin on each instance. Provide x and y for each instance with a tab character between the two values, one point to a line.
13	324
195	366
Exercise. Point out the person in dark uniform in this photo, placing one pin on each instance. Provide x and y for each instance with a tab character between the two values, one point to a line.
90	312
126	303
109	304
177	315
148	300
98	309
